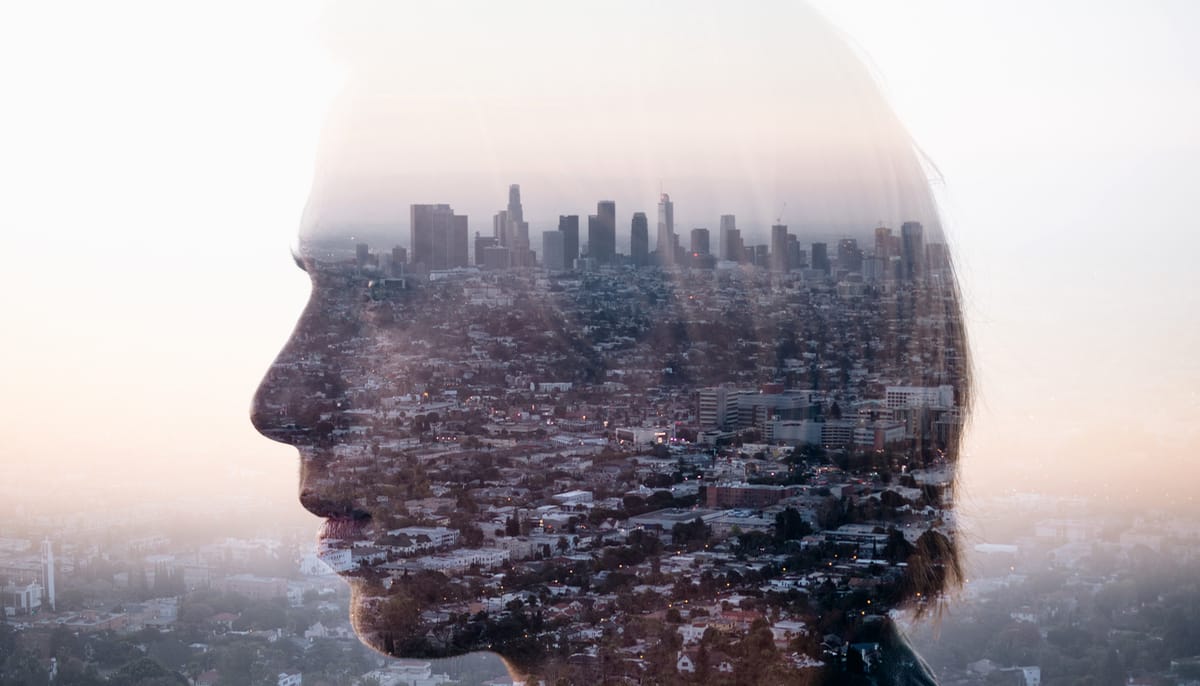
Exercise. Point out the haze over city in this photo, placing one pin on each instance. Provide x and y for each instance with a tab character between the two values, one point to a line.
159	163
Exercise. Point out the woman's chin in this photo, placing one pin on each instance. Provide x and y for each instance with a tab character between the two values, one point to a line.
380	622
379	629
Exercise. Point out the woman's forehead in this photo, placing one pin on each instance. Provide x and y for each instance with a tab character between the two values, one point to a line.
730	110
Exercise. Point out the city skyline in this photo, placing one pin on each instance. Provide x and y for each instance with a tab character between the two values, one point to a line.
511	231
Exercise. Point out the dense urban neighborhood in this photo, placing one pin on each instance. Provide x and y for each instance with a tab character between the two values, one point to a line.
670	468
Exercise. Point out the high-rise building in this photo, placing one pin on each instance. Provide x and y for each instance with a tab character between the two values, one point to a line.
699	242
496	257
718	408
362	254
439	237
912	250
602	233
849	257
883	243
730	239
665	241
516	213
937	256
511	230
483	243
639	239
779	249
795	255
48	572
762	256
518	229
399	259
873	269
554	257
500	228
457	242
820	257
568	224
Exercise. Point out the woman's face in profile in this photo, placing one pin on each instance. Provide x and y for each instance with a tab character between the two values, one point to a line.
559	436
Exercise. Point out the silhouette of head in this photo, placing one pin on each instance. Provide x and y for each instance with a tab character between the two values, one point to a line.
568	437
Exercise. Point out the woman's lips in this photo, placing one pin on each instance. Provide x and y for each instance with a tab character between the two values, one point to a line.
345	529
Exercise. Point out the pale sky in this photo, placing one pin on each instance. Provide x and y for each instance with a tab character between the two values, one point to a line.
156	162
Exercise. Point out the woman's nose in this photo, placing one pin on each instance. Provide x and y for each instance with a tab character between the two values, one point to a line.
294	401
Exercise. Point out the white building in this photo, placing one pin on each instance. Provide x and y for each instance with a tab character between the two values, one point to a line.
933	397
439	536
407	673
463	559
21	598
575	497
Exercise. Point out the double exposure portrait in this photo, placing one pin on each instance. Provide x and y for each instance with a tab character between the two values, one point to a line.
629	360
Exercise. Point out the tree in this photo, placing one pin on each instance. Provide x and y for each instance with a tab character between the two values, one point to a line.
144	672
22	667
790	526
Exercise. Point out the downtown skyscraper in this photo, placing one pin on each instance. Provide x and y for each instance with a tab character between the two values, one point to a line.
639	239
666	239
730	239
512	231
568	224
439	237
602	233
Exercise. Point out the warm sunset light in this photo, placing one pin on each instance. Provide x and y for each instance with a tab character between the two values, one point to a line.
636	315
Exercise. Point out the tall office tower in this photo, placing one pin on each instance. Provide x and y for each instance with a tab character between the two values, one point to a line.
639	239
849	257
602	233
718	408
500	228
399	258
762	256
518	229
699	242
820	257
665	241
937	256
883	242
873	269
569	225
516	213
554	257
737	246
912	250
48	572
496	257
729	239
483	243
779	248
362	254
439	237
794	253
457	242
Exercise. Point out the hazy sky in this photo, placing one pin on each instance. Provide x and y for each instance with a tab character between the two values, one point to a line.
156	162
729	108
